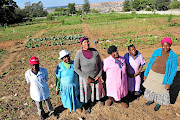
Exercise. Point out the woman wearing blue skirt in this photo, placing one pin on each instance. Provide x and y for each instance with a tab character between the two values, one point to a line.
69	85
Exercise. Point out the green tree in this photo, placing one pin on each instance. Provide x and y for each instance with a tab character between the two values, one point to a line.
71	8
9	12
152	4
61	11
162	5
126	6
175	4
136	5
143	4
35	9
86	6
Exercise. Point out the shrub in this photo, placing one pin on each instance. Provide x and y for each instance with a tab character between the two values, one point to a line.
62	21
175	5
174	24
94	11
148	9
49	17
133	13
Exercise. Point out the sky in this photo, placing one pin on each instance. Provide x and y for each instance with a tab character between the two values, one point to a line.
51	3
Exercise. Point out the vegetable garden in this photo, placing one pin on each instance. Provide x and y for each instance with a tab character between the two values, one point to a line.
53	41
124	41
144	31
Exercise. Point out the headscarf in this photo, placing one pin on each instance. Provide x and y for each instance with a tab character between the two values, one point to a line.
82	39
166	39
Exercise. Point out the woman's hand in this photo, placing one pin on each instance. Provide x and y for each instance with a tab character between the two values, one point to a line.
96	78
145	77
136	74
90	80
167	86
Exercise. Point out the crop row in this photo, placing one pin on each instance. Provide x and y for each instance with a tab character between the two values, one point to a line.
136	40
62	32
52	41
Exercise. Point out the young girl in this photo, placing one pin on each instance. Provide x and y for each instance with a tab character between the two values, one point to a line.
68	83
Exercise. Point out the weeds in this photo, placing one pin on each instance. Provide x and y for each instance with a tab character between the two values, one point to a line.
170	17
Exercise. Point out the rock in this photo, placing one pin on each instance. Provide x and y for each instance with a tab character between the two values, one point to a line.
5	97
177	114
15	94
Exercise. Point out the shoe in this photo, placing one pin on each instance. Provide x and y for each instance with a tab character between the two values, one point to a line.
88	110
51	113
156	108
149	103
137	93
79	110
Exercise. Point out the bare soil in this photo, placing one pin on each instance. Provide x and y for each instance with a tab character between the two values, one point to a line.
15	91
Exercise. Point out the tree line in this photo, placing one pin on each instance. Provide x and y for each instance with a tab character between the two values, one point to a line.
150	5
70	10
11	13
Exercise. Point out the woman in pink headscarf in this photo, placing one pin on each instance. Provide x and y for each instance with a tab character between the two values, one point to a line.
159	74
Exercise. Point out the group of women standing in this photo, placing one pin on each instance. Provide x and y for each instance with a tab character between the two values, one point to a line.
122	74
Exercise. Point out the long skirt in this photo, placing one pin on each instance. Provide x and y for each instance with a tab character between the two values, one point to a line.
69	96
155	90
93	91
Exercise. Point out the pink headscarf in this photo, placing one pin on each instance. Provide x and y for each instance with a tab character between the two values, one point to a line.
166	39
83	38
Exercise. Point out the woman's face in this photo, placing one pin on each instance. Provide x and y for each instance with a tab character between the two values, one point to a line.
166	46
132	51
115	54
66	59
85	44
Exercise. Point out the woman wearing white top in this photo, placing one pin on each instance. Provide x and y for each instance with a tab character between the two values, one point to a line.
39	90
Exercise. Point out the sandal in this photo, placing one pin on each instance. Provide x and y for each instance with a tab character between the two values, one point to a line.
156	108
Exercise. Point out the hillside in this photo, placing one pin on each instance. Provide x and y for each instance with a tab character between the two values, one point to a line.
105	7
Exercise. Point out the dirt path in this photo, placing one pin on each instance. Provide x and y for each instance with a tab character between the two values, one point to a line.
87	32
14	47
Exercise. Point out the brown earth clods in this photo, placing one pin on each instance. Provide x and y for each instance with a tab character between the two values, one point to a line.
136	111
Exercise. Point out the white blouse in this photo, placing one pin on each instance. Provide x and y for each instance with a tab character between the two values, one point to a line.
39	89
